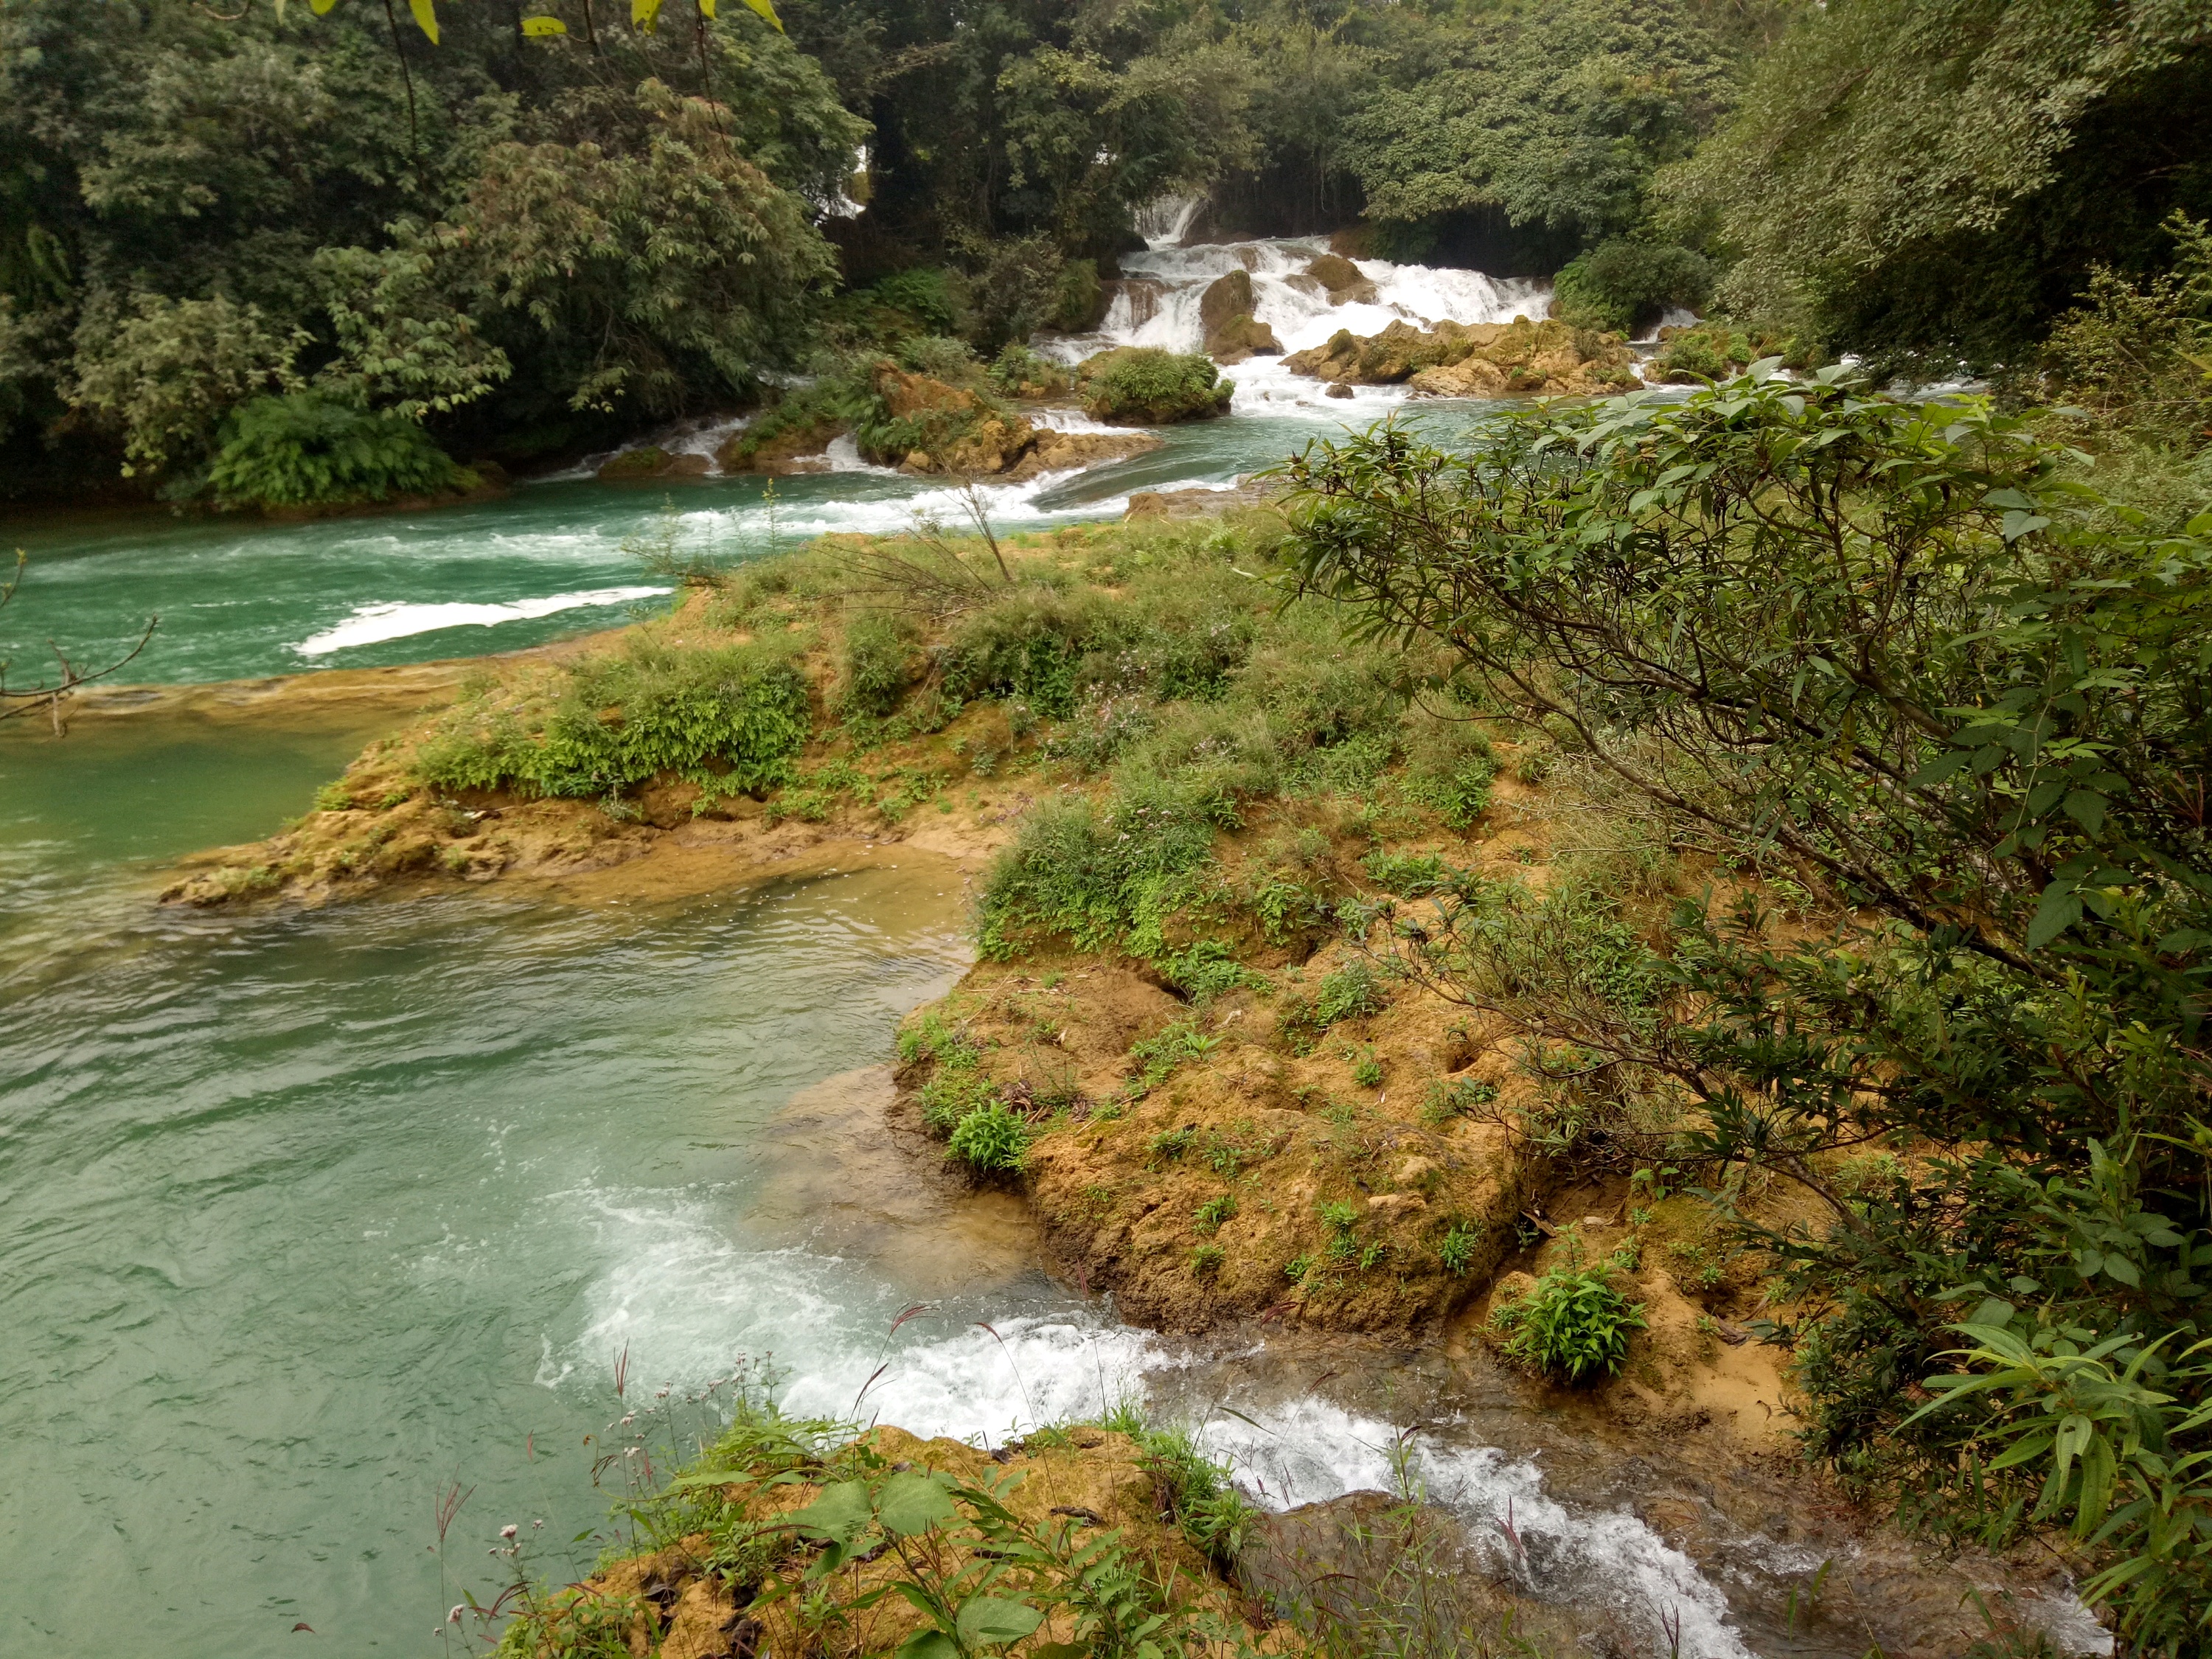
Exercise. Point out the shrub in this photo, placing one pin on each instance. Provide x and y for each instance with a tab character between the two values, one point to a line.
305	449
1624	285
1204	971
1573	1326
728	719
991	1139
1103	879
878	665
1446	1099
1449	770
1145	385
1457	1251
931	295
941	356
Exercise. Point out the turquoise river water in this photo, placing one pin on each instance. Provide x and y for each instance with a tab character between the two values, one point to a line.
309	1219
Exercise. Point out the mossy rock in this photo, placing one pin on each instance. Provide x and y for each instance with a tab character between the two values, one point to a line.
1145	385
647	461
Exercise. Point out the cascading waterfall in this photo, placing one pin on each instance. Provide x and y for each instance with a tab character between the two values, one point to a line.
1157	303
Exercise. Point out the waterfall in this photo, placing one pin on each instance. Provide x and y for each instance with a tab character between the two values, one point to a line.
1156	302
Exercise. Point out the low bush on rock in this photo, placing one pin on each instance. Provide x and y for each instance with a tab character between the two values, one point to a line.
1145	385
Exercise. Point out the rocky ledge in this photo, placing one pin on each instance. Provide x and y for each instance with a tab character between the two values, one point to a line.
1519	359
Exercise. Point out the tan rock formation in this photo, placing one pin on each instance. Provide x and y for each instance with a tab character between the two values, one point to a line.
1232	333
1519	359
1344	282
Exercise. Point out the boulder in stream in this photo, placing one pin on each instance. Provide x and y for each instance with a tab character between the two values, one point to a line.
651	461
1232	333
1479	359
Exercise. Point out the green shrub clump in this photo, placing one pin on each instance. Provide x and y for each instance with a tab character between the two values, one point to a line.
1145	385
1099	876
1573	1326
879	663
1624	285
726	720
306	449
993	1140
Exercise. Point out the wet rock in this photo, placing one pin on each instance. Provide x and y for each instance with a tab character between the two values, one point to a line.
1232	333
1193	503
1482	359
1338	389
1065	452
782	449
651	461
1345	283
960	431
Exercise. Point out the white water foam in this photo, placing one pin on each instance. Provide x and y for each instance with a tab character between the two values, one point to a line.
1158	302
688	1301
371	624
844	456
1314	1450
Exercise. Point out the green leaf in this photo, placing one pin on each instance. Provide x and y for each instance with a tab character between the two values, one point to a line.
537	26
989	1620
2059	910
839	1513
928	1645
2017	524
913	1504
2087	808
425	18
767	11
644	14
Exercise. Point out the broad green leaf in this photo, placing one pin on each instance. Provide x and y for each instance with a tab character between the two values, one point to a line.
426	17
2087	808
840	1512
544	26
2059	910
928	1645
644	14
988	1620
913	1502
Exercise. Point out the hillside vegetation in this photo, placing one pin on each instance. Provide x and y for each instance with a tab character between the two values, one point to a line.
243	253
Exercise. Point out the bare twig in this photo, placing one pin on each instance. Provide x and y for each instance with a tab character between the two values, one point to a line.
16	703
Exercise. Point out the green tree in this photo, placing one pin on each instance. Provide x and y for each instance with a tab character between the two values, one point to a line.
1900	651
649	273
1937	175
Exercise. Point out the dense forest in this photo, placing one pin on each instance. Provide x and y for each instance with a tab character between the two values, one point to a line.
273	254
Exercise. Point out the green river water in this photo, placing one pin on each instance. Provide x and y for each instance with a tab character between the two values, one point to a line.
309	1218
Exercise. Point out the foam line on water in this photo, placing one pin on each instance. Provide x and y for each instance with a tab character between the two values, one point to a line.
1314	1450
371	624
689	1300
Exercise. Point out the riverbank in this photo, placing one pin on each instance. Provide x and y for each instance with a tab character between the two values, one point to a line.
1168	794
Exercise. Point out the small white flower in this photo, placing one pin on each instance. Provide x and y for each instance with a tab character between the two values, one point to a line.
509	1531
454	1616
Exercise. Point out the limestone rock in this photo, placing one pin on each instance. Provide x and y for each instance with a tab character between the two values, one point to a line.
1232	333
1338	389
651	461
796	448
1345	283
1065	452
1484	360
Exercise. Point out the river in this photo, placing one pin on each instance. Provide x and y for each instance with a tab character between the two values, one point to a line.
313	1219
